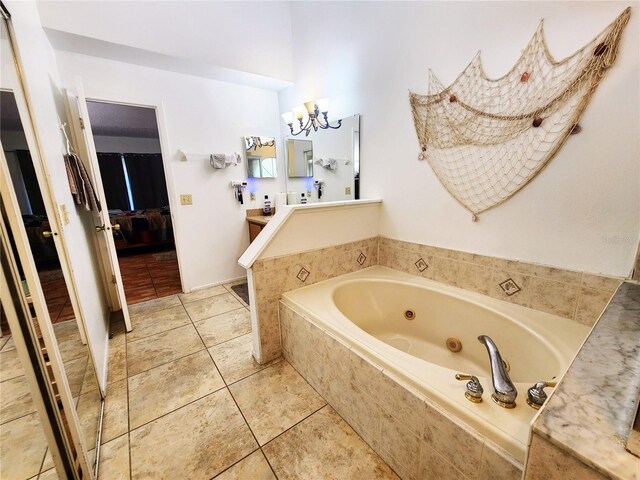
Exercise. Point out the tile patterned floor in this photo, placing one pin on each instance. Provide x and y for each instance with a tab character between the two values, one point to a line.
186	400
56	297
23	447
150	275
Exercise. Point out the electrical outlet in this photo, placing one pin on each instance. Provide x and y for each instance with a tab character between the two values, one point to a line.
186	199
347	190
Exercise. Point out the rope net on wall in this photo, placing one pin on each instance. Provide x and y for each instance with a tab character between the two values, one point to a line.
486	138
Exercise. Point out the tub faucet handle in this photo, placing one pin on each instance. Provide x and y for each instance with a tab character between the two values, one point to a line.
474	388
536	395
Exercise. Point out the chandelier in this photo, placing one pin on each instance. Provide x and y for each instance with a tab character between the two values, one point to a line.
309	118
258	142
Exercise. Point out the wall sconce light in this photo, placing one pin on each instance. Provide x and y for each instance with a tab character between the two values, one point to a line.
258	142
312	111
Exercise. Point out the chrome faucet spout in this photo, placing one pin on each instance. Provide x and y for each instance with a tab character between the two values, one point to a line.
505	392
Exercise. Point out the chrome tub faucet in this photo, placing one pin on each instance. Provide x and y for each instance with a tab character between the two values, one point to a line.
505	392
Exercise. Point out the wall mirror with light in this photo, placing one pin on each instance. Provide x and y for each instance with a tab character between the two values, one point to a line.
261	157
325	164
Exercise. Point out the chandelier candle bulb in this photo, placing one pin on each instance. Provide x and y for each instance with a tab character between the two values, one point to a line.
288	118
311	107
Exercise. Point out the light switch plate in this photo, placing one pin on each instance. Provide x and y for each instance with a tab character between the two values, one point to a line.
64	213
186	199
347	190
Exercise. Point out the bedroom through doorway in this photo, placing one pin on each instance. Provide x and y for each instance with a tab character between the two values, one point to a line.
131	165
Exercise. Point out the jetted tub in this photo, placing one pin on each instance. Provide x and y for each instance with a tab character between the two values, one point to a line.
366	310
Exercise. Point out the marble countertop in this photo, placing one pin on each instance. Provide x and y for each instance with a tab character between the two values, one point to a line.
259	219
590	413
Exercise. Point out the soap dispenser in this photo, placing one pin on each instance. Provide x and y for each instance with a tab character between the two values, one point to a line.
266	206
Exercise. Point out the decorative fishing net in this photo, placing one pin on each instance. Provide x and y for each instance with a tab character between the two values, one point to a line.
486	138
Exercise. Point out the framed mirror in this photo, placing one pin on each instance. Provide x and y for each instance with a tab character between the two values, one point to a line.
59	335
261	157
299	158
325	165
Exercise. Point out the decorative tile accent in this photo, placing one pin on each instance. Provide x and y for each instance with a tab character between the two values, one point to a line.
421	265
510	287
362	258
303	274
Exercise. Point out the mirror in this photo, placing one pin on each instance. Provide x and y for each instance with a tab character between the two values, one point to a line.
17	410
325	165
299	158
261	157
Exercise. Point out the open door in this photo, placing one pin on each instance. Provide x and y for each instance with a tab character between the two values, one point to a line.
83	136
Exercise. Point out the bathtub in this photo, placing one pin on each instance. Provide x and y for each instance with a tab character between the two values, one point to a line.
366	310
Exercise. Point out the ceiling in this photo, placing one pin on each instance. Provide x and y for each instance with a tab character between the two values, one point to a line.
111	119
241	42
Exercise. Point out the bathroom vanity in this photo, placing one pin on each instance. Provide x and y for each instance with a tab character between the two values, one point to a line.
257	221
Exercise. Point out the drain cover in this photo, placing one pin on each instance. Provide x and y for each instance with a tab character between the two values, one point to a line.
454	344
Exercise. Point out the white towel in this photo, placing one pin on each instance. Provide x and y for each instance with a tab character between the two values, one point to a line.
328	163
221	160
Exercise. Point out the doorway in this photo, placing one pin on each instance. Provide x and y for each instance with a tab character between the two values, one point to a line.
132	169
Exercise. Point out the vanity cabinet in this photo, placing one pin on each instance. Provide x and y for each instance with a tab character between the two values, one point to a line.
256	221
254	230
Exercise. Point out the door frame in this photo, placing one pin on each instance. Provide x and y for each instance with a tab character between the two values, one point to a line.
164	149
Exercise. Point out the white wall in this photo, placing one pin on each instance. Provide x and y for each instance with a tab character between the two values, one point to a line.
112	144
580	212
200	116
43	85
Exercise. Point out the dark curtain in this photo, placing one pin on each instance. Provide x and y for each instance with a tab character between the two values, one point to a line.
113	181
31	182
146	177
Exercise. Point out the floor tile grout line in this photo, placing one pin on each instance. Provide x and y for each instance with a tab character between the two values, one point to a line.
203	298
18	418
207	349
46	450
219	314
297	423
177	408
157	333
268	462
164	363
270	364
243	417
234	464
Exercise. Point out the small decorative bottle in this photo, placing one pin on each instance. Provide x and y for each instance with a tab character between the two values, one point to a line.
266	206
303	198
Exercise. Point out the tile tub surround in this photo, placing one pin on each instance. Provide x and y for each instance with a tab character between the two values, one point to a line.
578	296
586	421
412	434
274	276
